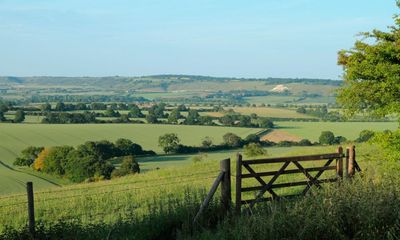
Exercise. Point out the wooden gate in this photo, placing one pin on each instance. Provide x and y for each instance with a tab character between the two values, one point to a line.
269	186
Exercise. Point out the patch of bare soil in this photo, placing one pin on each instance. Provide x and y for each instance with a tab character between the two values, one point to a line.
280	135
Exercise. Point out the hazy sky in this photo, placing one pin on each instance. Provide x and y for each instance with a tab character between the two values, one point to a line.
247	38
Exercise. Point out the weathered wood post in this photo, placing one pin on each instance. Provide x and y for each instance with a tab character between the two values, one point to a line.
31	208
226	191
352	158
346	167
238	199
339	163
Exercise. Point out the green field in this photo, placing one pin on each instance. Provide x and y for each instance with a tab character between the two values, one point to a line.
15	137
115	198
350	130
270	112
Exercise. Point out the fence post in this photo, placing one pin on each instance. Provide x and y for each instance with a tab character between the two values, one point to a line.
339	163
31	208
346	167
238	199
352	158
226	191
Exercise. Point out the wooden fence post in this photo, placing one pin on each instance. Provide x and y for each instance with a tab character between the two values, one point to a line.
238	199
226	192
339	163
31	208
352	158
346	167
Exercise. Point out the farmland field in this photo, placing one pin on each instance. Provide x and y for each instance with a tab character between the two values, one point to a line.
350	130
15	137
269	112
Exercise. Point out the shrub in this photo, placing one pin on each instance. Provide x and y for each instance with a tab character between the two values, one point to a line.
232	140
365	135
29	155
38	164
128	166
327	137
254	149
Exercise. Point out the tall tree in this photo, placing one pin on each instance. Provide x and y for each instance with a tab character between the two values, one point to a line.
19	116
372	73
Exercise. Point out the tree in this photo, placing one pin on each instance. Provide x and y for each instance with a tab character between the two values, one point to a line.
301	110
169	142
372	73
56	160
2	117
254	149
232	140
174	116
327	137
265	123
60	106
126	147
45	107
128	166
365	135
207	142
192	118
29	155
38	164
252	138
151	118
135	111
19	116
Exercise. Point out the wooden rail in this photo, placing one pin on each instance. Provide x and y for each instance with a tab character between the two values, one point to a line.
263	187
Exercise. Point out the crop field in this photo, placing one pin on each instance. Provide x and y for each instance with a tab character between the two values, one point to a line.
270	112
15	137
110	200
350	130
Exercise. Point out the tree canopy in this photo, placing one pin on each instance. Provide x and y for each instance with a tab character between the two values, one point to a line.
372	73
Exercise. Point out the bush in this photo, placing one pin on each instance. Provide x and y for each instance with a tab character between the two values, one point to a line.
327	137
365	135
232	140
29	155
128	166
254	149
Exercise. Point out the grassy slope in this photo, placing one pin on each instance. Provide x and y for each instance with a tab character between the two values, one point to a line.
15	137
105	201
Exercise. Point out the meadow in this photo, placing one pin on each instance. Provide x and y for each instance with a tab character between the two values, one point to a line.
110	200
15	137
161	205
350	130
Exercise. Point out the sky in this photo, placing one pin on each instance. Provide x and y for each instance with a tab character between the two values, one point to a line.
225	38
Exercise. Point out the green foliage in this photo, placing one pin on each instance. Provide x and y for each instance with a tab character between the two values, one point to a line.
207	142
151	118
372	73
2	118
169	142
56	161
45	107
174	116
125	147
252	138
29	155
135	111
254	149
19	116
60	106
128	166
327	137
389	143
265	123
232	140
365	135
192	117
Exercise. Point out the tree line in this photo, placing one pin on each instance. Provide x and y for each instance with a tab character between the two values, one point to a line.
87	162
